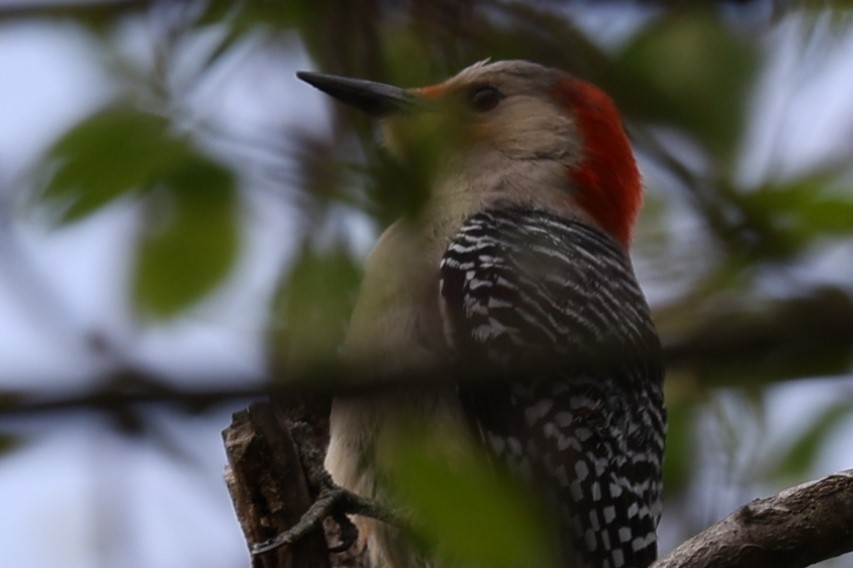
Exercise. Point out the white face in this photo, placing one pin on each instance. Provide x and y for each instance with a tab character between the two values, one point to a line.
492	125
504	133
494	133
511	107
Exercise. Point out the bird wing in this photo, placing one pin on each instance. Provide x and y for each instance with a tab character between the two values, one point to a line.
551	308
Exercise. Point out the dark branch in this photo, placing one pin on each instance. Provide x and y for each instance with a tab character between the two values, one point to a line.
795	528
93	9
798	527
798	337
285	500
269	489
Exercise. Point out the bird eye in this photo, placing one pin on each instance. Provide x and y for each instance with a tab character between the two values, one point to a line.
485	98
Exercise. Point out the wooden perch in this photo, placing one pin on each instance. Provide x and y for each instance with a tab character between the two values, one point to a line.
275	453
798	527
269	489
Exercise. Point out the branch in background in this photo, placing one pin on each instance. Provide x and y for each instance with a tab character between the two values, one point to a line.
93	9
801	337
804	336
798	527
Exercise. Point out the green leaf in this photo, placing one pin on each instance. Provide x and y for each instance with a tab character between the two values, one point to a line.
190	240
113	153
796	213
8	442
699	70
420	148
679	446
801	455
313	304
475	517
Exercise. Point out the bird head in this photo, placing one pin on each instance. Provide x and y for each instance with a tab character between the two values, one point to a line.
518	133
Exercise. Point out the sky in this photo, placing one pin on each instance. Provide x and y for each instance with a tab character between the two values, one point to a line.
76	494
61	491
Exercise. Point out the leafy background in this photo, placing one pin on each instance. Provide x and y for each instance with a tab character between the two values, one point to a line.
178	215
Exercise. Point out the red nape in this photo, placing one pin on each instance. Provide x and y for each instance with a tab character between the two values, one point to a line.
607	177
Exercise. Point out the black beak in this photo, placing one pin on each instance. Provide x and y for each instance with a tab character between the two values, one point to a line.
376	99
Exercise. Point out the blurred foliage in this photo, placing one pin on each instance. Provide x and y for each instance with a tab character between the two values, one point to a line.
686	77
801	211
318	292
794	464
106	156
8	443
189	239
189	234
679	439
703	84
479	518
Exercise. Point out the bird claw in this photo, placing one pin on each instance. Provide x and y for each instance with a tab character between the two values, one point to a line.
332	501
336	502
328	504
348	533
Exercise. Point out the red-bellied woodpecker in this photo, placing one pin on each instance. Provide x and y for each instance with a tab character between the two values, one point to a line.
518	261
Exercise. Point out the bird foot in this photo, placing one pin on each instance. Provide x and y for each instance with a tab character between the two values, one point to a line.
332	501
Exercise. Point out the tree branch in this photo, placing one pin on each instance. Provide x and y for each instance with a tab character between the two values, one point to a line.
285	500
269	489
95	8
286	495
797	527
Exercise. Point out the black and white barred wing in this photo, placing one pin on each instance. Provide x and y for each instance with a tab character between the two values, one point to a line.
551	307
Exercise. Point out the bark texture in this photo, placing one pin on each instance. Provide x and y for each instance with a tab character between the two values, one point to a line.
798	527
275	458
275	461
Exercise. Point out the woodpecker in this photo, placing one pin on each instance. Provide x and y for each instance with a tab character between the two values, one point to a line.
519	262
